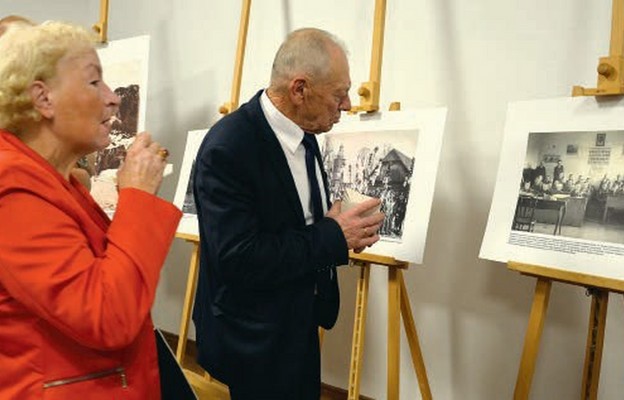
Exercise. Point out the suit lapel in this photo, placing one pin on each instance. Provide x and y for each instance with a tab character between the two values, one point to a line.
275	153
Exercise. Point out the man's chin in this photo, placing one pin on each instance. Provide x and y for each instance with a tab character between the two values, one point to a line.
321	129
330	126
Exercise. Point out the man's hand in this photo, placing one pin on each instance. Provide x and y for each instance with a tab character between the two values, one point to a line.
359	229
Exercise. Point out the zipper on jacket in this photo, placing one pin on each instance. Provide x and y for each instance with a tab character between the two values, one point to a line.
96	375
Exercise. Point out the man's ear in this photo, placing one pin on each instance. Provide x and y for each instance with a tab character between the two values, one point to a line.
298	87
41	98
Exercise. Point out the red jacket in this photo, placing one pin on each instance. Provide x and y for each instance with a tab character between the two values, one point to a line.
75	288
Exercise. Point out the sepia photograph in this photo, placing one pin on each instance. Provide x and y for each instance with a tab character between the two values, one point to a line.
125	62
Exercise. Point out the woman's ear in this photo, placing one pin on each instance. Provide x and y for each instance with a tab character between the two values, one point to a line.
42	99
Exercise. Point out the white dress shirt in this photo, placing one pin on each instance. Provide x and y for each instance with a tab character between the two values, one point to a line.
290	136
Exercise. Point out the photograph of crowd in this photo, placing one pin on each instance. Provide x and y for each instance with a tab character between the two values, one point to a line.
376	165
572	185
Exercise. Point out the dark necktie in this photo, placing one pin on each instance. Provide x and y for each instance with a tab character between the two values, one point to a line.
327	298
315	191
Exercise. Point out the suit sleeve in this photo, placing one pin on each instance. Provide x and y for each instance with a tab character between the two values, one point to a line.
245	253
48	264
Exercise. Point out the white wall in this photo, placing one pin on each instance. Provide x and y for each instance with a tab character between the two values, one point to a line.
472	56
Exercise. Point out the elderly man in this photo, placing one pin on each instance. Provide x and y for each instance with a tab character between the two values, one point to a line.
270	239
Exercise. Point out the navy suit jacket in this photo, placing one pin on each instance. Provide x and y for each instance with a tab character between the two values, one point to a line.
255	301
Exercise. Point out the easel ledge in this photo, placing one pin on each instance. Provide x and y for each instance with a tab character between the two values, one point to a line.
101	27
367	258
573	278
187	236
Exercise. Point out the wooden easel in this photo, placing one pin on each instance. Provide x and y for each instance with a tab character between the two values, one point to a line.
398	305
232	105
610	69
398	299
101	27
610	82
598	288
204	385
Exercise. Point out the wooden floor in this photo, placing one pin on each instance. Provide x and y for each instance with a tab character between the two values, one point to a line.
217	391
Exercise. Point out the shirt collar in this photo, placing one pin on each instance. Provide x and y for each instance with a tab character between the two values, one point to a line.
287	132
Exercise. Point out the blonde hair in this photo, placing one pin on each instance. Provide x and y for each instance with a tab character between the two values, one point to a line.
29	54
307	51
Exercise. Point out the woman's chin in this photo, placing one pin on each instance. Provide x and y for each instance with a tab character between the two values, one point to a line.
101	145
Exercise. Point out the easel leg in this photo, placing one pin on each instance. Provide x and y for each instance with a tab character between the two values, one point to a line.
357	347
595	342
532	338
394	333
412	340
191	284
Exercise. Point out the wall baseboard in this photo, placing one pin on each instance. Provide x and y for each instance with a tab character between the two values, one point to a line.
329	392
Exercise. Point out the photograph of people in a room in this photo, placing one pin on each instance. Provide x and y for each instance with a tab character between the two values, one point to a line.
572	185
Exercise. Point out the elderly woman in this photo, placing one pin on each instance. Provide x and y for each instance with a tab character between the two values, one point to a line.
75	287
82	170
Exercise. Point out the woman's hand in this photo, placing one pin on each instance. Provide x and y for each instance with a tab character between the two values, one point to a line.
144	165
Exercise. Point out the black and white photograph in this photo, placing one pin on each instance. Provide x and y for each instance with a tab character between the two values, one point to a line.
580	197
559	194
183	198
189	207
392	156
376	165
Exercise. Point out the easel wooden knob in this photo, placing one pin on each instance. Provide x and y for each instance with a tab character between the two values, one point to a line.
101	27
610	69
398	305
369	91
232	105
